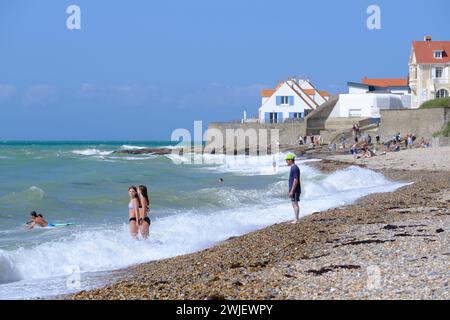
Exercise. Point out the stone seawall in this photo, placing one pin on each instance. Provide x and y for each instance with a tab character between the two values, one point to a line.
420	122
264	134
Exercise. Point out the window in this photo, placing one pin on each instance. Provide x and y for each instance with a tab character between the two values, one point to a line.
273	117
296	115
441	94
285	100
438	72
354	113
437	54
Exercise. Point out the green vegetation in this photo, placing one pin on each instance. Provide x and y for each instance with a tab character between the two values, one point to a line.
436	103
444	132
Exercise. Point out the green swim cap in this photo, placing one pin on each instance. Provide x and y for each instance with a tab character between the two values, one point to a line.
290	157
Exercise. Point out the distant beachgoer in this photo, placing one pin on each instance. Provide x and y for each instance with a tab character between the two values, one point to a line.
356	139
301	141
144	209
410	142
406	140
423	143
354	150
38	219
312	139
294	185
369	139
342	139
220	179
365	151
378	139
133	211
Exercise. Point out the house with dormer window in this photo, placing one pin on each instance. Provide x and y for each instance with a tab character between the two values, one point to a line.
289	100
429	69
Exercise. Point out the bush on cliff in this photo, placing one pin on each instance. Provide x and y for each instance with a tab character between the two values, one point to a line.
436	103
445	132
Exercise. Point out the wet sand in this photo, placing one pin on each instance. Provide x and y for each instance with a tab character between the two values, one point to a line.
385	246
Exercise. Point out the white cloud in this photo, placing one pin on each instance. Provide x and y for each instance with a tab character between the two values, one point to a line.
40	95
87	90
135	95
124	94
7	91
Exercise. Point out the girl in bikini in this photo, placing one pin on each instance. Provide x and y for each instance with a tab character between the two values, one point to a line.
133	211
144	220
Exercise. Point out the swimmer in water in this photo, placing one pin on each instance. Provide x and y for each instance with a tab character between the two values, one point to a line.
38	219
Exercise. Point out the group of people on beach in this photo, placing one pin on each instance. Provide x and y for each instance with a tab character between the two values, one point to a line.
364	145
315	141
409	141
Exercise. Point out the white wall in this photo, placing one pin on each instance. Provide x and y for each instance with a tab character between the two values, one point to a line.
405	91
365	105
270	104
356	90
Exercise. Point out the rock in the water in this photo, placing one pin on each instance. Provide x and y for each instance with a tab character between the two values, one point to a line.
157	151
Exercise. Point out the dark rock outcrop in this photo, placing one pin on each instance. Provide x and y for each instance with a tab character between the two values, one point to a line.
157	151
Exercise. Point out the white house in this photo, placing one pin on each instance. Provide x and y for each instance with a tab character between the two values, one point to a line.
291	99
366	99
429	70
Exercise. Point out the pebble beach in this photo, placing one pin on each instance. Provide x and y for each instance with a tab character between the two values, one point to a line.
384	246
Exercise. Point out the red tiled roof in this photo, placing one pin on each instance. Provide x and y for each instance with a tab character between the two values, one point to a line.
391	82
310	92
267	93
324	93
424	51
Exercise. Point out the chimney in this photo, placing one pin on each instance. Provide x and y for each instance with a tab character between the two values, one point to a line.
427	38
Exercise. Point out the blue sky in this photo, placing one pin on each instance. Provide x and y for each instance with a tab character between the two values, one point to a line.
139	69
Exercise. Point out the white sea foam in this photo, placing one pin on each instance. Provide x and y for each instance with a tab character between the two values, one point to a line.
28	195
92	152
140	157
239	164
110	247
127	147
37	190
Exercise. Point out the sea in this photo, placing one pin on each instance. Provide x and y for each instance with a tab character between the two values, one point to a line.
86	184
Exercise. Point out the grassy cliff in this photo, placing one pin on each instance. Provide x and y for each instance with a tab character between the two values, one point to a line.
436	103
